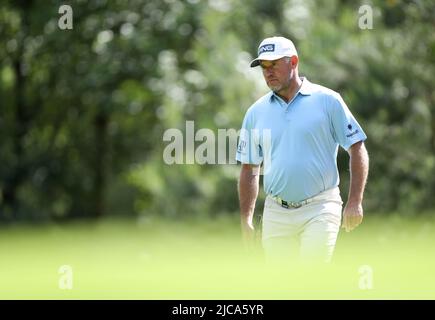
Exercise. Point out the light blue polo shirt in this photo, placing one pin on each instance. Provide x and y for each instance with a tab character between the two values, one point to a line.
297	142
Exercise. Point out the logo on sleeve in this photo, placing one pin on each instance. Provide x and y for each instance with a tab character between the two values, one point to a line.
242	146
266	48
349	126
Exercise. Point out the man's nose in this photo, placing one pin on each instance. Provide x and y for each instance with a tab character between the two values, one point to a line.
269	71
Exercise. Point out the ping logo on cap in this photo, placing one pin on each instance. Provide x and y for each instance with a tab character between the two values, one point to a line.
266	48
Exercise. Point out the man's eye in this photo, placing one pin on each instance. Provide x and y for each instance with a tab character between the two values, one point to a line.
264	66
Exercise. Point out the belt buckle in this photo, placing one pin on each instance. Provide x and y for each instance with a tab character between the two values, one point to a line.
284	204
292	204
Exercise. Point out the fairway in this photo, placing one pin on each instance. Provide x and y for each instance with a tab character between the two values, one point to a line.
204	259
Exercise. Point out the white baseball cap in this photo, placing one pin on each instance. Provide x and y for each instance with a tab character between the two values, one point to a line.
274	48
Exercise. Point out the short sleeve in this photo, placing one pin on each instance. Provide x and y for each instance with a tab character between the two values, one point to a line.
345	129
249	149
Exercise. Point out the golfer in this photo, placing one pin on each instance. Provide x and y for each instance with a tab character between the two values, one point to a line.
295	131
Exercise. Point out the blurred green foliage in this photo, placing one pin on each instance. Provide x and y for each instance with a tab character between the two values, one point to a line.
83	111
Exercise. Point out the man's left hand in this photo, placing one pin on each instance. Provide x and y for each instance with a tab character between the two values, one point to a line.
352	216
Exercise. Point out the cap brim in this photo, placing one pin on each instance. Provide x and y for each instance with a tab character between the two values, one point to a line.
269	57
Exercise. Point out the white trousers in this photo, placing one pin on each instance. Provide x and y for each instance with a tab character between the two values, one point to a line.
308	233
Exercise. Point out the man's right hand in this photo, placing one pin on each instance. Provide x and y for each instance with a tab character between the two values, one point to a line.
248	232
248	192
248	235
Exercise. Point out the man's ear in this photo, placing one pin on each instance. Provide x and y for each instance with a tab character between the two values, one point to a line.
294	60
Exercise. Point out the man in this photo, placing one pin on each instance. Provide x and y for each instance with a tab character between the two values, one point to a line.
295	131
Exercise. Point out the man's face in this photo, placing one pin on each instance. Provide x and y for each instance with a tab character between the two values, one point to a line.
277	73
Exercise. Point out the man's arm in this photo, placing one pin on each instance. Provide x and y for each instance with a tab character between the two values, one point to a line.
359	168
248	192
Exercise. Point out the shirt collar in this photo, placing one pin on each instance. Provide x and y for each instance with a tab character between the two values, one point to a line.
305	89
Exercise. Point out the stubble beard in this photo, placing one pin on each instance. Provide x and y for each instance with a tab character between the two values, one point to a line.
280	87
275	89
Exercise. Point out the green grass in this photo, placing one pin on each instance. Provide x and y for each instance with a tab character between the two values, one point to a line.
204	259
